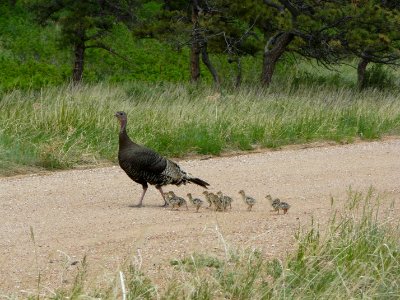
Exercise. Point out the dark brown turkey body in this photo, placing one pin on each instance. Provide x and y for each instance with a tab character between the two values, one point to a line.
146	166
143	166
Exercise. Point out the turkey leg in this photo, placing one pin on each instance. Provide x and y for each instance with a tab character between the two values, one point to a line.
162	194
141	198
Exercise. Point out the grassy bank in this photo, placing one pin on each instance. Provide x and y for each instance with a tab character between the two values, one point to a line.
66	127
355	256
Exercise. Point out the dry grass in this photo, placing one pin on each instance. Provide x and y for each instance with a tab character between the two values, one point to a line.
68	127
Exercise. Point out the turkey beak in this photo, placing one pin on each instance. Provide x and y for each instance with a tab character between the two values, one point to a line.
118	117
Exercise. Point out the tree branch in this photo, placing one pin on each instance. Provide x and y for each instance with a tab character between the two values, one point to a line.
292	9
45	10
110	50
274	5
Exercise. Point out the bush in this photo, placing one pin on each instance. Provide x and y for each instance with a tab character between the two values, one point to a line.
379	77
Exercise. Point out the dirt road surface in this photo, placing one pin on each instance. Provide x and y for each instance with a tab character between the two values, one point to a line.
89	212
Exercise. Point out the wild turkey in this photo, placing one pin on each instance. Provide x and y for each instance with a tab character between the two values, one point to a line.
175	200
146	166
197	202
214	201
274	203
225	200
277	204
250	201
217	202
208	198
284	206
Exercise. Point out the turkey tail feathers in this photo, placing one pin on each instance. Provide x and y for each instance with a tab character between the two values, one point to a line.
198	181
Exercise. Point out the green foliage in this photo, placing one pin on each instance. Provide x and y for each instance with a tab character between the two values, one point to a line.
379	77
138	285
83	24
197	261
371	31
149	9
149	60
80	21
355	258
37	61
29	57
237	276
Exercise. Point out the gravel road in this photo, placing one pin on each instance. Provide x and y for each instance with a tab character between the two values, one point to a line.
89	213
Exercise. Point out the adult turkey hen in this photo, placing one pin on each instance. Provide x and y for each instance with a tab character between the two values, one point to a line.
146	166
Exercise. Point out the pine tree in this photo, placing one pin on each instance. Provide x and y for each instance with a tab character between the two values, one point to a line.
372	34
305	27
83	24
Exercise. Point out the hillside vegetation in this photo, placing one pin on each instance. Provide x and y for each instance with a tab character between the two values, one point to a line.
33	56
48	122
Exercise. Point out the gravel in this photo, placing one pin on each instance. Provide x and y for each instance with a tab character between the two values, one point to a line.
89	212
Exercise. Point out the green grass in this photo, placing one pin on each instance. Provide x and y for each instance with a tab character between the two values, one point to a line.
66	127
356	255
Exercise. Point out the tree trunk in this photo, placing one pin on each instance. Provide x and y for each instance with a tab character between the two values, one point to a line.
79	52
195	46
167	5
236	60
194	62
210	67
274	49
361	69
239	73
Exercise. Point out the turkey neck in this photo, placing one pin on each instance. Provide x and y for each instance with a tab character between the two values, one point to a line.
124	139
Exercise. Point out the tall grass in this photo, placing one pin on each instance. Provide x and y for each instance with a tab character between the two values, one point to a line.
68	126
355	256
